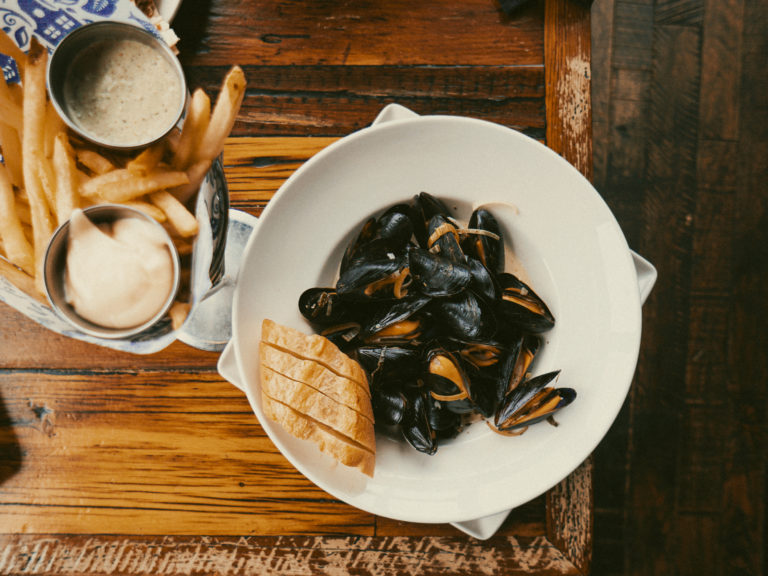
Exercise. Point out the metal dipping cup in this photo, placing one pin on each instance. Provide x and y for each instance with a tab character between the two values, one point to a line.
55	266
65	61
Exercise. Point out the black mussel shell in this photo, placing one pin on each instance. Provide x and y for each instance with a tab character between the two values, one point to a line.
531	402
515	364
445	423
354	248
484	240
415	425
520	306
388	403
448	382
444	238
323	306
375	278
482	280
435	275
393	313
425	206
386	361
466	317
395	227
345	336
481	354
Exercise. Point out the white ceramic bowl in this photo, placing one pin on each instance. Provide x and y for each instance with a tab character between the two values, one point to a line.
559	227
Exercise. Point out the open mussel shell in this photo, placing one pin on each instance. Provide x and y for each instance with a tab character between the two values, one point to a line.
532	401
345	336
448	382
483	240
324	306
375	278
520	306
435	275
446	424
515	364
391	314
384	362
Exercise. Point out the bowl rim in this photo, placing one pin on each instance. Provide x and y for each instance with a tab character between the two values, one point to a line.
622	389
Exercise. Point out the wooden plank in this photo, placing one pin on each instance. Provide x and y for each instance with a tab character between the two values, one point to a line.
285	555
569	132
570	516
151	453
633	35
721	69
398	32
670	203
602	58
679	12
336	100
568	75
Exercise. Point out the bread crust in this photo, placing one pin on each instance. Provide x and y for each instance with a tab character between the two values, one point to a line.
318	377
313	347
324	409
328	440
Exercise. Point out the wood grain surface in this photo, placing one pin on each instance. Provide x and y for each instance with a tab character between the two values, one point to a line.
118	464
679	103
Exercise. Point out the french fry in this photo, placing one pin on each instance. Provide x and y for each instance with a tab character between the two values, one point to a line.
10	110
223	116
9	48
195	126
66	177
149	209
195	173
181	219
17	248
94	161
122	185
32	148
9	140
178	313
53	125
148	159
21	280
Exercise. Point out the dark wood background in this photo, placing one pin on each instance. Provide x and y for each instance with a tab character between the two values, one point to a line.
680	118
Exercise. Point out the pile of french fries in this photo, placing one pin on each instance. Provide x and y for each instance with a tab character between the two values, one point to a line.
47	172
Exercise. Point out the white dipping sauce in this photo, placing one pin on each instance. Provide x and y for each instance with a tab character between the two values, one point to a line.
119	276
123	92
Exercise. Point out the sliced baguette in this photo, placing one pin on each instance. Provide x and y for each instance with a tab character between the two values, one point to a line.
328	440
318	377
309	402
313	347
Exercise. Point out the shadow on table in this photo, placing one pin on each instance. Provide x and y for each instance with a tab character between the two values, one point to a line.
10	449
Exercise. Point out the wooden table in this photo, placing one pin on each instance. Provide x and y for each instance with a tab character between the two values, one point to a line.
111	463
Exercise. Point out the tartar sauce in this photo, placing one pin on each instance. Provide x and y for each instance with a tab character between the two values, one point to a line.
123	92
117	276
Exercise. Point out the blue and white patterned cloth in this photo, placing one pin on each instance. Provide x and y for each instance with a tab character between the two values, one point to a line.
51	20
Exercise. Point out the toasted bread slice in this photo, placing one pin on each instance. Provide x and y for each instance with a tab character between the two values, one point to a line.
309	402
318	377
313	347
328	440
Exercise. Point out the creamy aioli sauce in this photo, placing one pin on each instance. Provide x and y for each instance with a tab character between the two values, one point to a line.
123	92
118	276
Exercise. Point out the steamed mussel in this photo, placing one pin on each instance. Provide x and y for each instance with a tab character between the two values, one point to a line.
445	335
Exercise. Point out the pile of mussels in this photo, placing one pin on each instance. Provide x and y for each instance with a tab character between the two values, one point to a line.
443	332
